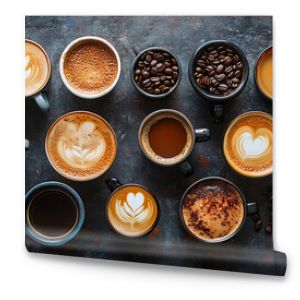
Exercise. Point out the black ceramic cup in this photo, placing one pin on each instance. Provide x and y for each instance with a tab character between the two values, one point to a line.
249	208
193	136
145	93
130	212
217	102
54	213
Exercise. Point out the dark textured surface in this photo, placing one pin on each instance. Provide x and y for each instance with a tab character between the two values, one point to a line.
125	108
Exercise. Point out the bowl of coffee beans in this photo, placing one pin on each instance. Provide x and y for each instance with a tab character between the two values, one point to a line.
156	72
218	70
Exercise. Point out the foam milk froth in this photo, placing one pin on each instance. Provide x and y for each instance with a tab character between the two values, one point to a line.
248	144
81	145
132	211
36	68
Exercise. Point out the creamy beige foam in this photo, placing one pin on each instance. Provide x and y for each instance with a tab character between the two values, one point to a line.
81	145
132	211
37	68
248	144
145	144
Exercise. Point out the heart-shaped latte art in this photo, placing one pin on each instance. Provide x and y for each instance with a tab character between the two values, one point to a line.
81	146
252	144
133	209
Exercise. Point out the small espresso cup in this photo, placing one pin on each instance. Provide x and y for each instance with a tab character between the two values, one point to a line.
214	209
90	66
216	69
37	73
132	210
54	213
167	137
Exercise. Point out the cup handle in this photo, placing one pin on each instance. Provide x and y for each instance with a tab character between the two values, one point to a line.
202	134
252	208
113	184
186	168
217	112
42	101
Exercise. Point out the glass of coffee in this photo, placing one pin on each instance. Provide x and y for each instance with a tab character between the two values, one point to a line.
167	138
90	67
81	145
248	144
213	209
37	73
132	210
54	213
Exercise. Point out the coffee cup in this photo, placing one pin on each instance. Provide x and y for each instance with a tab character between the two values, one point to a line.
263	73
218	71
54	213
167	137
248	143
90	67
132	210
81	145
214	209
37	73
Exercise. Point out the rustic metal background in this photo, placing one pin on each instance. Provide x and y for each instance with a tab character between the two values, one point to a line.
125	108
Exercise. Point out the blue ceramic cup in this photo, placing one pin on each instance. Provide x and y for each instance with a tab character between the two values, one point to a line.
54	213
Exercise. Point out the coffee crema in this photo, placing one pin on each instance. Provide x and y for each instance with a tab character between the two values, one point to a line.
166	138
248	144
264	72
81	145
132	210
37	68
90	67
213	210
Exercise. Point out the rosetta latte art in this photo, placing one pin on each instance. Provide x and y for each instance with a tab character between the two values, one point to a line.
133	209
81	146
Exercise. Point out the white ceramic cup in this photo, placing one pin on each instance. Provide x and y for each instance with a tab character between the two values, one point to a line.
70	87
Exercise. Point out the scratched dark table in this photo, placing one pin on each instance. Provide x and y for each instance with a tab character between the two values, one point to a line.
124	108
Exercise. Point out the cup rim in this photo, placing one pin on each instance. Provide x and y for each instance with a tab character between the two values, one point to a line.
161	111
58	170
262	53
81	214
62	73
145	93
155	199
207	95
227	237
245	173
49	66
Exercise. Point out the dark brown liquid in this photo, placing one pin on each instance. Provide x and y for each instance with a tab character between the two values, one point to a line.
52	213
167	137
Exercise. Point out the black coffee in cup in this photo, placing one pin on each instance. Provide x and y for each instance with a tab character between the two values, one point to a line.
52	213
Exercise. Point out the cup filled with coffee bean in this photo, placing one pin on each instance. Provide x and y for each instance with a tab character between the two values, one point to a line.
156	72
81	145
214	209
54	213
37	73
90	67
167	137
132	210
218	71
263	74
248	144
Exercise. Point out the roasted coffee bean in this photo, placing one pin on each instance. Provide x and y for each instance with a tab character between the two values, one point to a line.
235	80
227	61
238	73
209	68
222	87
156	72
220	77
230	75
220	69
228	69
239	65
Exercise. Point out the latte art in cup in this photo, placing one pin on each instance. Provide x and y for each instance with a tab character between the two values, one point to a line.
132	210
81	145
37	68
248	144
